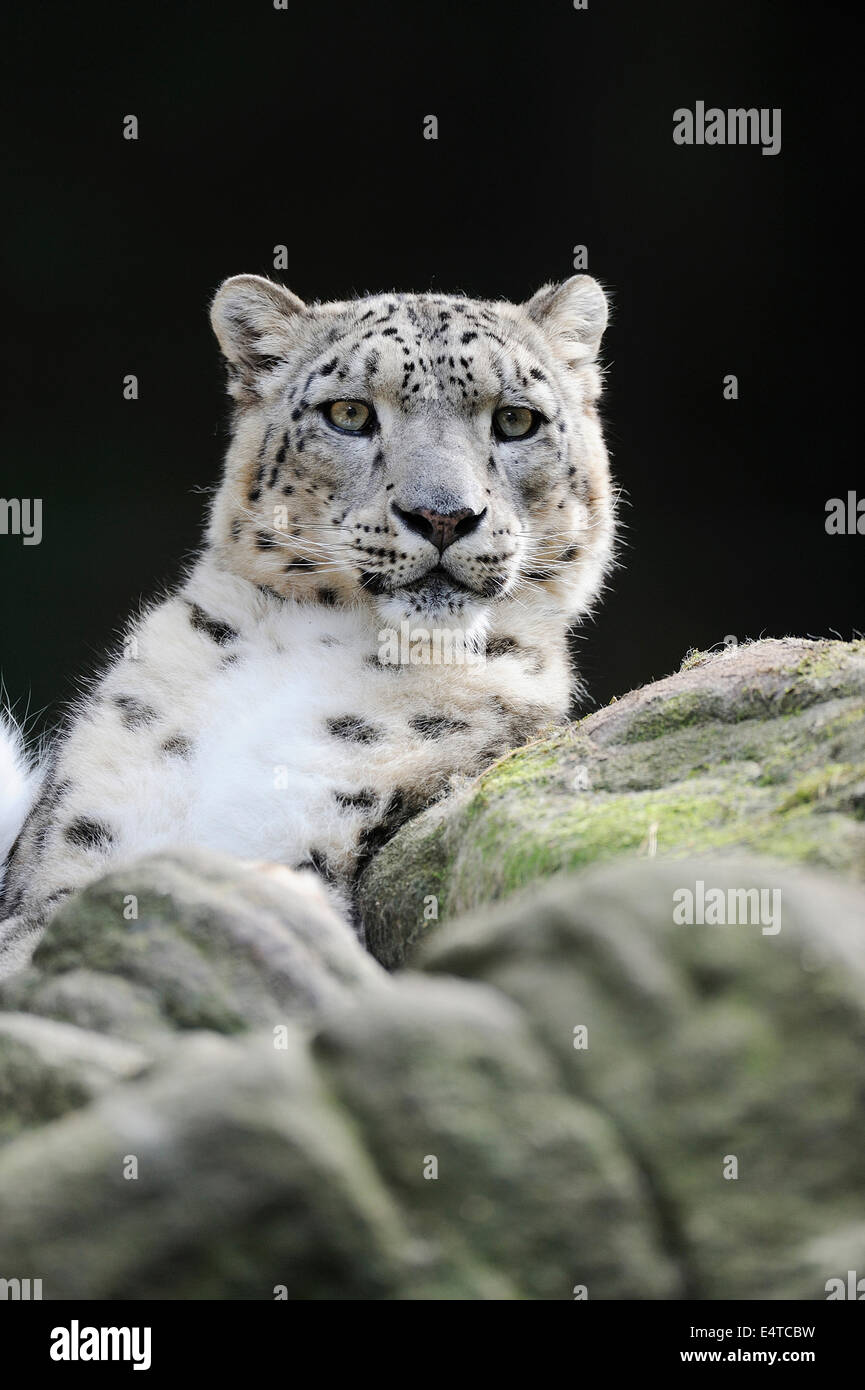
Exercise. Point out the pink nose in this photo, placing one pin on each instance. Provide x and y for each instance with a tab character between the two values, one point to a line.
441	528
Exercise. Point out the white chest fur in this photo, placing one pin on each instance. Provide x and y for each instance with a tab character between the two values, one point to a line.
299	730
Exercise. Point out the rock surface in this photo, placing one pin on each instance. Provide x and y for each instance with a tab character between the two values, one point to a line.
759	748
208	1089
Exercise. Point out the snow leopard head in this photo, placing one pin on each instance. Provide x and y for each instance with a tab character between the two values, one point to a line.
433	455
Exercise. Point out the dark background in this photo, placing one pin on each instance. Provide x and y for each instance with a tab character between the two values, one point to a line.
260	127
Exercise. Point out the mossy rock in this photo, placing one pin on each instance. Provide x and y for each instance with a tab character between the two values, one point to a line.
439	1135
302	1123
760	747
191	940
726	1057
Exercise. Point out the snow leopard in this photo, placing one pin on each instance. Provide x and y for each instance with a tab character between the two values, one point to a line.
415	509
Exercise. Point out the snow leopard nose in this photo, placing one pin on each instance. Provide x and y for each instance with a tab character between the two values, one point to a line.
441	528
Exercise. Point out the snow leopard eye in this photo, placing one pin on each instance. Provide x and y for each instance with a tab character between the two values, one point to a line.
352	417
515	422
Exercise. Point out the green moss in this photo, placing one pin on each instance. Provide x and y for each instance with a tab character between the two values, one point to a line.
525	820
768	758
829	660
820	783
668	715
526	767
693	658
851	716
827	670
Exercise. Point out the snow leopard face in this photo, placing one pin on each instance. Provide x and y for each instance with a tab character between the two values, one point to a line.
436	456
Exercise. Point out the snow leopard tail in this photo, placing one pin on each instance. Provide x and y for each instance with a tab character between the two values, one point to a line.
19	785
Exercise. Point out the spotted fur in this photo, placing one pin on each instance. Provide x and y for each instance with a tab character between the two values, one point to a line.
288	701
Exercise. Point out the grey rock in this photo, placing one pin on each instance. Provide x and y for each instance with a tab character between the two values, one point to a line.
246	1177
191	940
47	1068
760	748
208	1089
704	1044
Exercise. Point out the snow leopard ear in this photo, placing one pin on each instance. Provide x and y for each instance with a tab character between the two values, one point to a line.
574	315
251	318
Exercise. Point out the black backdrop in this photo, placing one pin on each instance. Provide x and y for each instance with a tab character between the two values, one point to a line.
304	127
